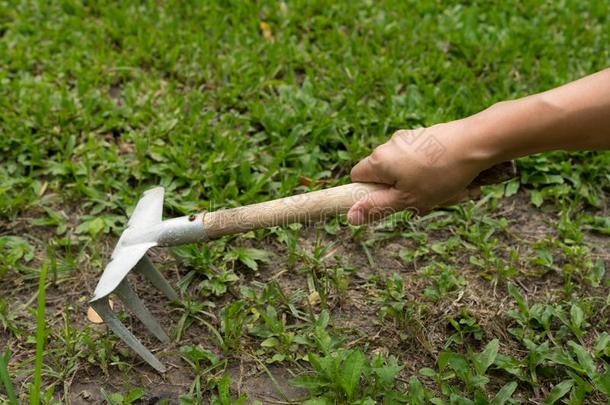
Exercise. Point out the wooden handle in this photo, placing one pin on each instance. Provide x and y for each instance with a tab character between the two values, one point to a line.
316	205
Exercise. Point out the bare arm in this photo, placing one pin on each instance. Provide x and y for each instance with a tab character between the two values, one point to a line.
427	167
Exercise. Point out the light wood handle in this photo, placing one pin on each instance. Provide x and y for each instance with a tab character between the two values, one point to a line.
298	208
315	205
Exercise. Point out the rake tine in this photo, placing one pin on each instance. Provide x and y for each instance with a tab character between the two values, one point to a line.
150	272
137	307
103	310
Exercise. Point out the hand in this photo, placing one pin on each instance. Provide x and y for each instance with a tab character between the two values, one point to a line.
429	167
426	167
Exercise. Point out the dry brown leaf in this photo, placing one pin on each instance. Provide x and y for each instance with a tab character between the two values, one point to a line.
314	298
93	316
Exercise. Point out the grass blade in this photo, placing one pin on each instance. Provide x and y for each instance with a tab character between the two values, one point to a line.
40	337
5	378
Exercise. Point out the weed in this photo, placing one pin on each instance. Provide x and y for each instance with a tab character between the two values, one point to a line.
444	280
349	376
5	377
41	336
123	399
232	322
465	326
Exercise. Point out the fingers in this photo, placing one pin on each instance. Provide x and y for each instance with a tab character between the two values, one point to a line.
376	205
365	172
372	168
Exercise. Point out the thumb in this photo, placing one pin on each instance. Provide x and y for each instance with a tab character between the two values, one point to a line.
375	205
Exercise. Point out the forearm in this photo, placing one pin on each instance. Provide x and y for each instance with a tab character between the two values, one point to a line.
575	116
428	167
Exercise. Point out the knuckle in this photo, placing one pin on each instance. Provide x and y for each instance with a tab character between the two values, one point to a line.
406	136
379	155
401	133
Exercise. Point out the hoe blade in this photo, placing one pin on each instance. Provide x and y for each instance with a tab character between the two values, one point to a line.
130	254
127	253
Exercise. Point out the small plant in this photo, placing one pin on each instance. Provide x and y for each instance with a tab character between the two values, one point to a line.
123	399
349	376
8	319
407	314
224	394
204	364
195	311
444	280
471	370
465	326
14	249
233	319
249	256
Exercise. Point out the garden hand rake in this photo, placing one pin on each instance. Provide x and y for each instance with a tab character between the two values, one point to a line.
146	229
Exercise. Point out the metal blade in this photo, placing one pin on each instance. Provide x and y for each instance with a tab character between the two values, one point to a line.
122	262
150	272
149	209
103	309
137	307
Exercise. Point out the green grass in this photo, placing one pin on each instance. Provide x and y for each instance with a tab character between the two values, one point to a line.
502	301
41	335
6	380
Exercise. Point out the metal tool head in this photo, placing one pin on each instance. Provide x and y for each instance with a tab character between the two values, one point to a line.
126	255
145	230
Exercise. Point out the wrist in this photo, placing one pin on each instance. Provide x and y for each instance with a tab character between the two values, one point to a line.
467	143
488	136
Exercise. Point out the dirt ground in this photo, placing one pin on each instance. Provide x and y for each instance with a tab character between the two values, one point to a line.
356	314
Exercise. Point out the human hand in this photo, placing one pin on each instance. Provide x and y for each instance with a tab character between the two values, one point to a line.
426	167
429	167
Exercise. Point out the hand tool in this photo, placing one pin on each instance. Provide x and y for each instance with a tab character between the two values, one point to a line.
146	230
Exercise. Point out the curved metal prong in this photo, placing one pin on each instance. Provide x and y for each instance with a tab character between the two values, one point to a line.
137	307
150	272
103	310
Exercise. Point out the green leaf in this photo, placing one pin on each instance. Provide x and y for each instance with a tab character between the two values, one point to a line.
536	198
223	389
584	358
559	391
504	394
427	372
93	227
602	382
511	188
318	401
5	377
597	273
416	394
352	369
249	256
309	382
270	342
577	315
487	356
518	297
602	346
386	375
134	395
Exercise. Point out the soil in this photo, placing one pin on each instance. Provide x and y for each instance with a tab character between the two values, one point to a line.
356	313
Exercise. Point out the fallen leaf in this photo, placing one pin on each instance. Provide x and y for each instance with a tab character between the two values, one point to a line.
266	29
93	316
314	298
305	181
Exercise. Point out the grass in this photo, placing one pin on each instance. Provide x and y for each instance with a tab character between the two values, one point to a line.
6	380
505	300
41	336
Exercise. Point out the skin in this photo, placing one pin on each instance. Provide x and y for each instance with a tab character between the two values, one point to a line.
429	167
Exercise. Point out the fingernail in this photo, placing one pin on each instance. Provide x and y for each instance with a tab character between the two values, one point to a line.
355	217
